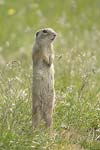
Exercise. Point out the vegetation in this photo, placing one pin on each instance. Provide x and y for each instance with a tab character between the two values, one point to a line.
76	124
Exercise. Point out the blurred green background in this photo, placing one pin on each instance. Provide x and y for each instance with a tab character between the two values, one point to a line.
77	73
77	23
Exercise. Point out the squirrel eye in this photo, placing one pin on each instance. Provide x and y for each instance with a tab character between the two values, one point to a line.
45	31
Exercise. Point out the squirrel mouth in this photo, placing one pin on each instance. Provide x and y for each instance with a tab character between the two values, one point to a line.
53	37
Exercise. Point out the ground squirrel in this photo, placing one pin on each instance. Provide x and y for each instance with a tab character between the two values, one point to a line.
43	94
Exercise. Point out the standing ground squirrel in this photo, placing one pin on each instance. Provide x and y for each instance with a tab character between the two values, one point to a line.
43	94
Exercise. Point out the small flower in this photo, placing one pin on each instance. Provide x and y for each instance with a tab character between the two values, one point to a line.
11	11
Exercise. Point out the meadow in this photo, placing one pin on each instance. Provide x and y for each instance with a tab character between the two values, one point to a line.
76	118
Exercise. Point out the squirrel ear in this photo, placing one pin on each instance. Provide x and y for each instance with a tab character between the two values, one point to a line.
37	33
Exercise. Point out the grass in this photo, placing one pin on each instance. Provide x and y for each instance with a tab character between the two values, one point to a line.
76	118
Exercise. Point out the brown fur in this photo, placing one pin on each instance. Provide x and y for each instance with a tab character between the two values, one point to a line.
43	94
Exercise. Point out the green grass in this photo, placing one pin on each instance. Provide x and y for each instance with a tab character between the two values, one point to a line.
76	117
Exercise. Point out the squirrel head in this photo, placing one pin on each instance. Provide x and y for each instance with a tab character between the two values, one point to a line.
45	36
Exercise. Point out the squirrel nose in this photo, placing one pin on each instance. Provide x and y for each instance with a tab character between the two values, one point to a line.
55	34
